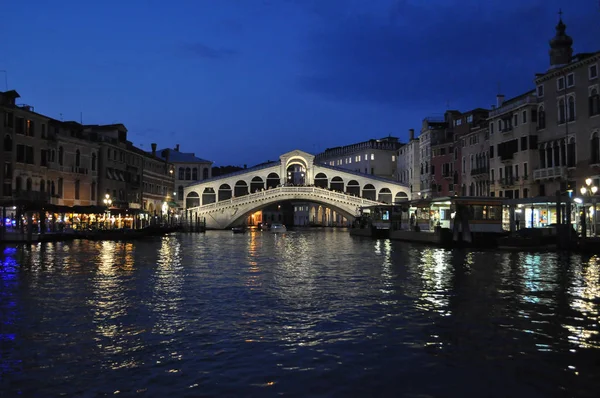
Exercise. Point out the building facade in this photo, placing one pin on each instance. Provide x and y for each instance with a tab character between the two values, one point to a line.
513	146
408	163
376	157
568	118
189	169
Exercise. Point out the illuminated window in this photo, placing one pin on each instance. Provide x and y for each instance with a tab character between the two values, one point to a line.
372	156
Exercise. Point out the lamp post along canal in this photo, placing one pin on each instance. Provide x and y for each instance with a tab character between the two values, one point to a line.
107	202
588	192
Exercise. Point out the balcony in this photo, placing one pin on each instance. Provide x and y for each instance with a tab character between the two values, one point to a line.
480	171
507	157
550	173
508	181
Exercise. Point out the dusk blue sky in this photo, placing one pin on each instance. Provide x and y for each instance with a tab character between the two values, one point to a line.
243	81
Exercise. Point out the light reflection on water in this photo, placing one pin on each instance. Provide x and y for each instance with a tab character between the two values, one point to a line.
257	313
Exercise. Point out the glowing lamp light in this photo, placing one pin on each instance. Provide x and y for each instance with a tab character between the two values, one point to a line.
583	190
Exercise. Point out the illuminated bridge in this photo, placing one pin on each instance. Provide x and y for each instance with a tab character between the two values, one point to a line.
228	200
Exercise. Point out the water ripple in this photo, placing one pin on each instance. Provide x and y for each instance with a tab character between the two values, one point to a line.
315	313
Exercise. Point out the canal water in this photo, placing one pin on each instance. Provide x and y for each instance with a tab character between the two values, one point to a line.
306	313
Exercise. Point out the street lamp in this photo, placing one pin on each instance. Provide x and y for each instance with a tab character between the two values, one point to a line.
589	190
107	202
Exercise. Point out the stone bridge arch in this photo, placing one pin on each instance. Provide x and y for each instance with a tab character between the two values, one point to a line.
224	214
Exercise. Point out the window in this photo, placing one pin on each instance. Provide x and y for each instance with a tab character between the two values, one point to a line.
516	120
181	173
516	171
29	128
594	102
570	80
29	185
560	83
94	160
20	126
499	125
7	143
464	165
393	158
77	185
43	131
188	173
205	174
571	103
61	155
9	119
524	143
595	149
372	157
458	122
491	128
77	158
561	111
524	117
470	119
93	191
541	118
540	91
180	192
195	174
60	187
593	71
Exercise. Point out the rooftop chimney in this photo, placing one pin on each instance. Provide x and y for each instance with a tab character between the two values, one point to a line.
411	134
153	145
499	100
177	147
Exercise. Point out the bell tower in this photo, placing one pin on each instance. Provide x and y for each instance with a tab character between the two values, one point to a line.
561	45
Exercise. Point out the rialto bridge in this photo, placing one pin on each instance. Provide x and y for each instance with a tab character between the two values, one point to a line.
229	199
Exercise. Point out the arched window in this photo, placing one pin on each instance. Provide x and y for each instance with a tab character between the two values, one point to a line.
180	192
561	111
7	143
205	173
571	153
595	149
77	158
195	174
541	118
188	173
181	173
61	155
594	103
571	108
94	160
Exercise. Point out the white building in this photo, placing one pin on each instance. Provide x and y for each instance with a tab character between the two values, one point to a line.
408	165
375	157
189	169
